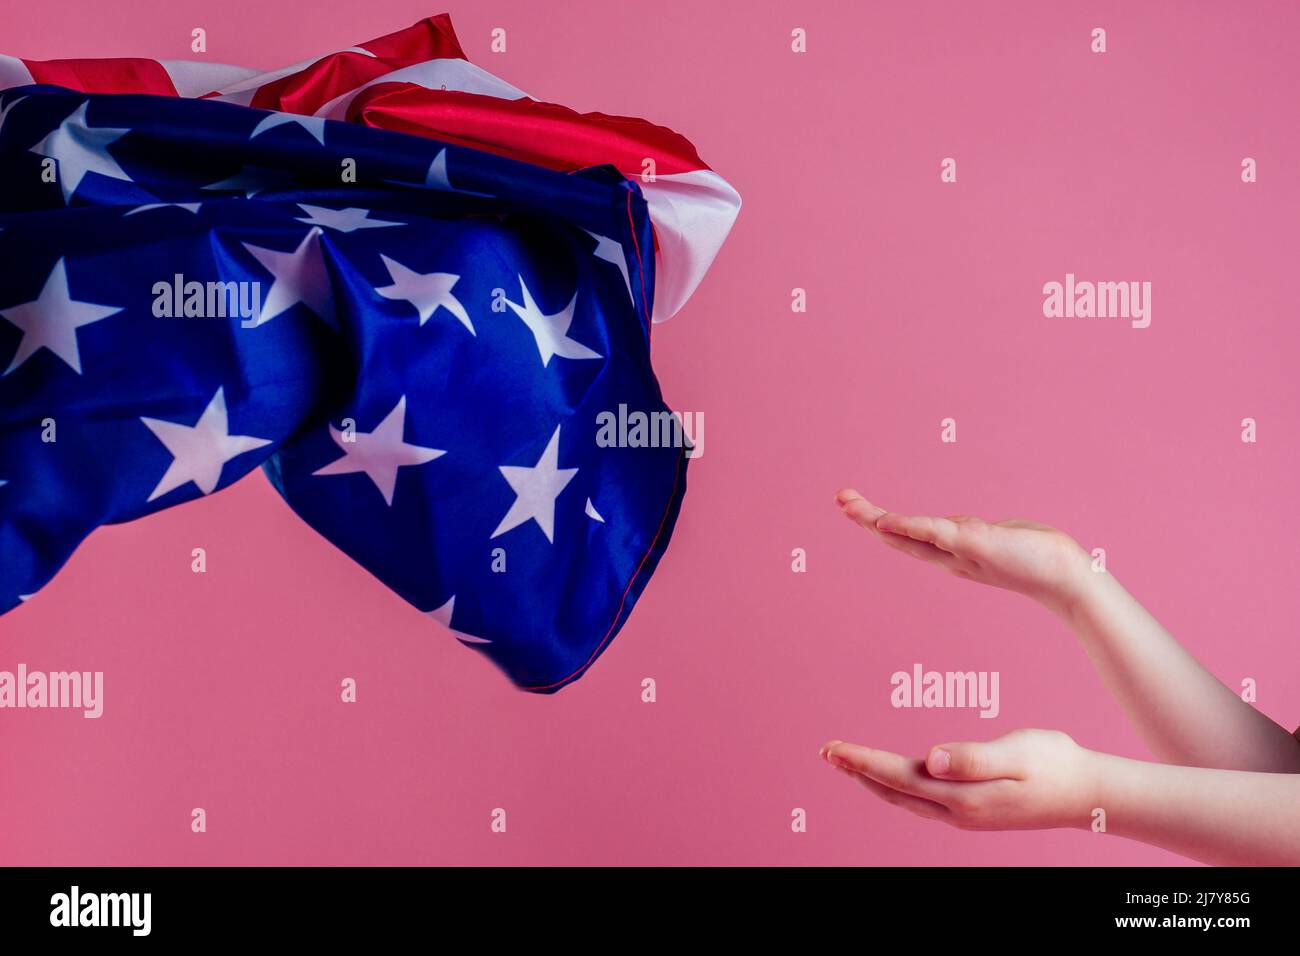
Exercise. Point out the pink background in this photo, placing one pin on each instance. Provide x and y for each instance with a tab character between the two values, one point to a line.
222	690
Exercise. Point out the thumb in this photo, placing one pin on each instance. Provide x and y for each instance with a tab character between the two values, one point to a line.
973	761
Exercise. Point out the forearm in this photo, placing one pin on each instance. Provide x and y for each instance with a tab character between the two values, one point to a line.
1223	817
1181	710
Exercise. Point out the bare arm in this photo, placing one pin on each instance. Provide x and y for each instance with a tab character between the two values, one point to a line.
1183	713
1037	779
1224	817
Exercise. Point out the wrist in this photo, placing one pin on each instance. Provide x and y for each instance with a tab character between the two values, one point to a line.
1092	789
1075	586
1121	789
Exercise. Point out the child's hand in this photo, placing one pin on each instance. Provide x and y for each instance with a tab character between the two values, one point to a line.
1026	780
1033	559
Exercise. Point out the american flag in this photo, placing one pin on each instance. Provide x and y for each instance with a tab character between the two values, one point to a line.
393	281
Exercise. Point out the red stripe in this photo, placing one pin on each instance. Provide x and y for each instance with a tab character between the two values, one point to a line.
640	264
124	75
331	76
431	39
543	134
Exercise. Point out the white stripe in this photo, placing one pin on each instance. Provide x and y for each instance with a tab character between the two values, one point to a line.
13	72
194	77
692	215
692	212
459	75
241	91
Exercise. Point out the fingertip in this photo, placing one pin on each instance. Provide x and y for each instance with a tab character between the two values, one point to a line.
836	755
851	756
861	511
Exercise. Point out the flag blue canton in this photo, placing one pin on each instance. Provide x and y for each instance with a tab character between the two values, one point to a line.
412	338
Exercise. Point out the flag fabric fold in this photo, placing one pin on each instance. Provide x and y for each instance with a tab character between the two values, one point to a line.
414	336
428	87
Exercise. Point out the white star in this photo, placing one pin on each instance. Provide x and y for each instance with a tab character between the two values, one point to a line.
592	513
52	319
199	451
300	276
344	220
536	489
443	616
253	180
436	177
610	251
4	111
379	453
80	149
551	331
188	206
312	124
426	291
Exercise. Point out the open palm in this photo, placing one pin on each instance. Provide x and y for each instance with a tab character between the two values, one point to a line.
1022	556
